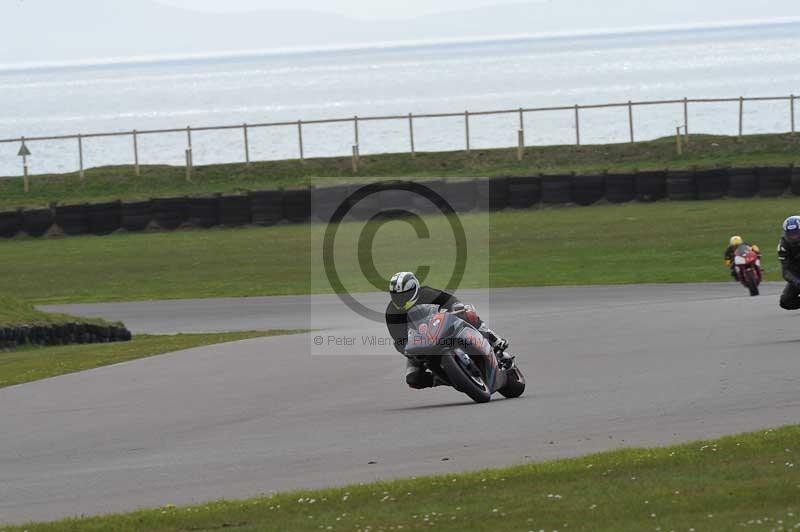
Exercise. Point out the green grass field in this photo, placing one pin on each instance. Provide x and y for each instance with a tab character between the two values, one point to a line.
15	312
607	244
748	482
29	364
110	183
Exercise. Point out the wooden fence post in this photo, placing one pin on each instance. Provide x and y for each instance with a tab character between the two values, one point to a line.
25	180
577	125
355	128
356	158
741	116
791	110
300	140
246	145
136	170
678	143
521	119
520	144
80	155
630	119
411	133
466	128
686	119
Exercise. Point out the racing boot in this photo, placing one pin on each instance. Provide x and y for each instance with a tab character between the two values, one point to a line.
417	377
500	345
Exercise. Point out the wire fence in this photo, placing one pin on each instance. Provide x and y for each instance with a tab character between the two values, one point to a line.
683	108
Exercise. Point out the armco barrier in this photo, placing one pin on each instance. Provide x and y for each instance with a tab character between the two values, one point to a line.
170	213
589	189
651	185
773	181
234	211
72	219
524	192
62	334
620	188
137	215
297	205
681	186
203	211
10	223
742	183
557	189
711	184
266	207
37	222
104	218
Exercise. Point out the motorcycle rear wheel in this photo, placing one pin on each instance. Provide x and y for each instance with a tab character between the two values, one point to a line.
463	381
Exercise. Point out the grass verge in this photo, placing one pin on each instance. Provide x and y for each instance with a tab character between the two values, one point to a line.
28	364
749	482
14	312
665	242
119	182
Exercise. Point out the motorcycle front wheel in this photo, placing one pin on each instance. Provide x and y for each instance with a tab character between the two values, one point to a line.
466	379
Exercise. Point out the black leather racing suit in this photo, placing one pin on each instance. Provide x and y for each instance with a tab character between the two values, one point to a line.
789	255
397	322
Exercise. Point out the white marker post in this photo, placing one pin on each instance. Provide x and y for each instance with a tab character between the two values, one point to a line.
24	152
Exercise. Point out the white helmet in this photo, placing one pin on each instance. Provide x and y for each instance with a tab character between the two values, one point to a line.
404	288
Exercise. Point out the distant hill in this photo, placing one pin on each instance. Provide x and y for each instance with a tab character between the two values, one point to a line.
58	30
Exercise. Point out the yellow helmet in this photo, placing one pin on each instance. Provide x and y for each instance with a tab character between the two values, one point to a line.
736	241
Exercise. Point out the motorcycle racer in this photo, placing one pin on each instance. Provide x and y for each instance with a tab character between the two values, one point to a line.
730	252
405	291
789	255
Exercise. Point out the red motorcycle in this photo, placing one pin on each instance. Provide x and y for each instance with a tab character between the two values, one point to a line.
747	267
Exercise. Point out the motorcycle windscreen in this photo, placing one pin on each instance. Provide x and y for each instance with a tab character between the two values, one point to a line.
424	326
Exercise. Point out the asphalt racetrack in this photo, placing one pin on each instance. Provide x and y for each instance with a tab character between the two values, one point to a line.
606	367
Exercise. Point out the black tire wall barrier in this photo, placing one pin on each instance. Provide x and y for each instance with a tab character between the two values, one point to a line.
104	218
795	185
137	215
681	186
620	188
235	211
557	189
524	192
62	334
463	196
651	186
497	191
170	213
203	211
72	219
271	207
587	190
10	223
37	222
266	207
297	205
711	184
742	183
773	182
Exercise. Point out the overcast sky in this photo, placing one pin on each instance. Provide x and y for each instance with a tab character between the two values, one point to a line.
45	31
375	9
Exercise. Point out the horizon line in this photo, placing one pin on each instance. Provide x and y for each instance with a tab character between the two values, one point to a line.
123	61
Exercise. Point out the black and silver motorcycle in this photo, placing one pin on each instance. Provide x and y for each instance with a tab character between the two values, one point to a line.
458	355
